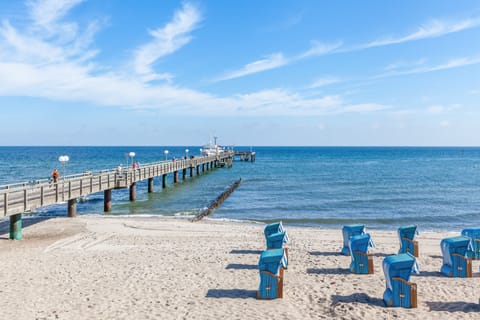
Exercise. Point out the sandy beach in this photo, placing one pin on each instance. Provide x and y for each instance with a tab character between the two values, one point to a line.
96	267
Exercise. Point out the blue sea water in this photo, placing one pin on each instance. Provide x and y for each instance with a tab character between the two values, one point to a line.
383	187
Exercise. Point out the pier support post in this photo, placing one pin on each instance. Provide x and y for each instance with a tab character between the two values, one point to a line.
16	227
191	172
107	200
198	170
175	176
164	181
150	185
184	174
133	193
203	167
72	208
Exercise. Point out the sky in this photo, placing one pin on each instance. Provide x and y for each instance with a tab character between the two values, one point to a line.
252	73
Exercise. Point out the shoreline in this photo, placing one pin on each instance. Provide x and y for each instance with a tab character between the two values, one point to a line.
97	267
245	221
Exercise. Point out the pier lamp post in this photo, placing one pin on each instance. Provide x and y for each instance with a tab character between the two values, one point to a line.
131	155
63	160
186	153
166	154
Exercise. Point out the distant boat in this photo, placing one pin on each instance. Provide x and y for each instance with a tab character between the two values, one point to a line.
212	149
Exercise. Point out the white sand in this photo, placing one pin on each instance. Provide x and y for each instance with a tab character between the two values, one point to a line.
94	267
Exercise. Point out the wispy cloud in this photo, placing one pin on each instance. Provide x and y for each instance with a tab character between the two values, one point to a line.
453	63
272	61
318	49
321	82
37	60
49	38
278	60
166	40
47	14
431	29
442	109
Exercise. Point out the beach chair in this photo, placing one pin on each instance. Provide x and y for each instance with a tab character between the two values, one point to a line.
457	261
362	262
400	292
407	244
275	236
273	228
271	267
349	231
474	235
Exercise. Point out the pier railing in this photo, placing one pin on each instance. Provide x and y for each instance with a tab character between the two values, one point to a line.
17	198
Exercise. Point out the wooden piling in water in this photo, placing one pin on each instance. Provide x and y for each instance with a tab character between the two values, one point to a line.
16	227
164	181
107	200
150	185
72	208
133	193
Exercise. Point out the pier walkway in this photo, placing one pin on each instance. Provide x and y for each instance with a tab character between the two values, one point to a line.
24	197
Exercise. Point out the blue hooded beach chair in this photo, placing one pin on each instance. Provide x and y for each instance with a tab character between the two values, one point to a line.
474	235
400	292
348	232
407	242
362	262
271	267
457	261
273	228
275	235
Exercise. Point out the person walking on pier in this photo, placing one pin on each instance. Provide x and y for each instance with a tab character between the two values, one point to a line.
55	175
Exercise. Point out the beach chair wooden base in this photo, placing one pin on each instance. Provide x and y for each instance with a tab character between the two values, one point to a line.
404	293
363	263
411	246
462	266
271	282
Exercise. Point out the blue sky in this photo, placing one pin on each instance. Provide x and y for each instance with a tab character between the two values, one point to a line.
272	72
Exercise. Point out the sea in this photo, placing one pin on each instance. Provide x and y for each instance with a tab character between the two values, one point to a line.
436	188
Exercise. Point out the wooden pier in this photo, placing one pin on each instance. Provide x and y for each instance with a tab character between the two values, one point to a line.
24	197
245	155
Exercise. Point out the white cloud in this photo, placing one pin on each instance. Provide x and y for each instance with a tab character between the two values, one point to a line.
319	49
272	61
451	64
166	40
431	29
321	82
47	13
441	109
50	65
